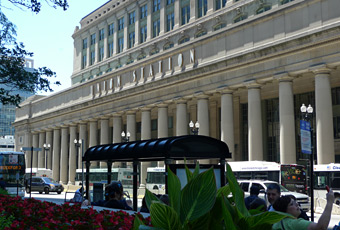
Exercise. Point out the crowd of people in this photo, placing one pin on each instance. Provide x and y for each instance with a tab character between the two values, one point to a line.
297	218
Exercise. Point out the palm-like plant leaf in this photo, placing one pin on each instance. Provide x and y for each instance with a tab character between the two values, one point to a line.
149	198
174	190
198	196
164	216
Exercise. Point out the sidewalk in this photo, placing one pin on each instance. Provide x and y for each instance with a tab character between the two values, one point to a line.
335	219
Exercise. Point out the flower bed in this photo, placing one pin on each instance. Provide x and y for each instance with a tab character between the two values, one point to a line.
35	214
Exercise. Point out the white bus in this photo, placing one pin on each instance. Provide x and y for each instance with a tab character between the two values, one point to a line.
12	172
155	179
327	174
99	175
291	176
39	172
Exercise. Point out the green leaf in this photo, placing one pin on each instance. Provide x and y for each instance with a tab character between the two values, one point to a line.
216	214
144	227
237	192
228	214
223	191
137	222
164	216
265	218
197	170
149	198
201	223
188	173
174	190
198	196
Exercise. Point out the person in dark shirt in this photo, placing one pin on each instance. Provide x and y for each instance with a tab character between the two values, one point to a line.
254	192
2	184
115	197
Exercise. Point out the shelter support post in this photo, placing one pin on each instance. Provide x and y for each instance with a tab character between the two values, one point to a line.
109	171
135	176
88	164
166	164
222	169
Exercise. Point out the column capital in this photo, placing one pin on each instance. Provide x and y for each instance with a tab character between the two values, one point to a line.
320	69
253	84
284	77
201	95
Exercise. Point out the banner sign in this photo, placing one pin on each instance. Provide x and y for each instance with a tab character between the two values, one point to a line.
306	142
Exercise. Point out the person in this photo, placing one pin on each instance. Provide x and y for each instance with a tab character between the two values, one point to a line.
78	197
113	196
303	214
144	207
288	205
2	183
258	202
273	193
254	193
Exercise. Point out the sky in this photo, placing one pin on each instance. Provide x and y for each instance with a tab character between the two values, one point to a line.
48	34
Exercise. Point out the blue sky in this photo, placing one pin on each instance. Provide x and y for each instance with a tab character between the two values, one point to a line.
49	34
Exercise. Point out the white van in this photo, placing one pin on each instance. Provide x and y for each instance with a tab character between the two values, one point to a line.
301	198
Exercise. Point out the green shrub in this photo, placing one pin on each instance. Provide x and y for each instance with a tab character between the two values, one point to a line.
199	205
5	221
3	192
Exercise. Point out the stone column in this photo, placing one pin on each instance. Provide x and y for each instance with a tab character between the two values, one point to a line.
193	11
56	155
115	36
94	139
41	154
131	125
177	12
83	138
162	17
73	155
35	153
149	21
137	24
116	134
181	118
96	46
28	143
203	115
324	116
146	135
287	120
64	155
106	36
162	121
210	7
104	136
227	121
126	34
88	50
49	140
255	139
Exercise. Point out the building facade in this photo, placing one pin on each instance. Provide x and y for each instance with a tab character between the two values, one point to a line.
242	69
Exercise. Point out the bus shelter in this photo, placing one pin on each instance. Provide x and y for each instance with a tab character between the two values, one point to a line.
189	147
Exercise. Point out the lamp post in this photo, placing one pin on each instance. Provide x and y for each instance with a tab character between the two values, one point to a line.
194	128
78	144
307	146
46	148
126	137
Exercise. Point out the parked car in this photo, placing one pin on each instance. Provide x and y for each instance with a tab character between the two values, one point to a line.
43	184
301	198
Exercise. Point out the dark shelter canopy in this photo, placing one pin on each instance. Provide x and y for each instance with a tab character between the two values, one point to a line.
175	148
188	147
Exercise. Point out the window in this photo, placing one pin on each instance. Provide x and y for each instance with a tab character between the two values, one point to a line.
84	43
185	14
141	56
93	39
183	40
168	45
336	125
93	57
156	5
156	28
120	23
220	4
154	51
169	2
263	8
131	39
84	61
143	34
240	18
110	49
120	44
202	7
111	29
219	26
101	34
170	21
132	18
101	53
336	96
285	1
200	33
143	11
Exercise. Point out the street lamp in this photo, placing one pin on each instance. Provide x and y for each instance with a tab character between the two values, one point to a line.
307	146
46	148
194	128
126	137
78	144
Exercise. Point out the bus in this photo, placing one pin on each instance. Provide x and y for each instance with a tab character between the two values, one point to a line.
291	176
39	172
12	172
327	174
99	175
155	179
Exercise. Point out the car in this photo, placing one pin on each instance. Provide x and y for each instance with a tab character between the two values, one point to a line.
301	198
43	184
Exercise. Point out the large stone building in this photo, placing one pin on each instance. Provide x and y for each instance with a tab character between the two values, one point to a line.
242	69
